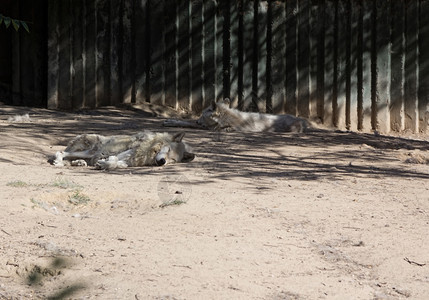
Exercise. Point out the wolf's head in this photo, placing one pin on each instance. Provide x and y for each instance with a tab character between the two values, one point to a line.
158	149
209	115
175	151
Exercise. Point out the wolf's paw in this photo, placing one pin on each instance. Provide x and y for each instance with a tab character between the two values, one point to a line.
111	163
79	163
104	164
58	161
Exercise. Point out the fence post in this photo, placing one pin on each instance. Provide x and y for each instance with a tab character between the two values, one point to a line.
382	49
53	54
411	61
423	94
397	66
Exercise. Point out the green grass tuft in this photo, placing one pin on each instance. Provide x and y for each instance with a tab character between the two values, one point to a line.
66	184
78	198
17	184
172	202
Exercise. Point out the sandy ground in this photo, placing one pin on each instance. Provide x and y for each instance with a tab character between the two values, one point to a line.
326	215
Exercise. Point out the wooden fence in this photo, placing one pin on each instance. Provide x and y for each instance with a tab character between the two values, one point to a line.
358	65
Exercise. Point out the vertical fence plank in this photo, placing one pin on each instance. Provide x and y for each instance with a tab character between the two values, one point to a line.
343	73
255	56
64	80
423	106
39	45
26	58
366	64
140	44
183	55
16	62
316	28
411	60
209	11
26	67
259	65
235	40
102	54
269	57
248	53
397	66
304	58
53	53
330	62
197	52
127	66
89	78
170	57
115	51
359	61
226	48
348	78
240	54
218	45
278	59
320	24
6	78
383	65
156	50
147	7
354	69
77	55
291	56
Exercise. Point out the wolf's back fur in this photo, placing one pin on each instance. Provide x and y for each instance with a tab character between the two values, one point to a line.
219	116
231	118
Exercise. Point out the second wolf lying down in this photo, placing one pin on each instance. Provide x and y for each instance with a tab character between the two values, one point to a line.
219	116
121	151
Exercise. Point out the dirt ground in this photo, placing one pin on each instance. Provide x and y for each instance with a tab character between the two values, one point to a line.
322	215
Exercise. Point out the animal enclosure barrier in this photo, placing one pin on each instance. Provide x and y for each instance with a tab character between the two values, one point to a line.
358	65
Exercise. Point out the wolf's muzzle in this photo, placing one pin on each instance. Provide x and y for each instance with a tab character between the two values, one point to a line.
161	162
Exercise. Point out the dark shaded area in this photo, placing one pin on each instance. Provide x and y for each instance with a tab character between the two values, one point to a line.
23	55
38	274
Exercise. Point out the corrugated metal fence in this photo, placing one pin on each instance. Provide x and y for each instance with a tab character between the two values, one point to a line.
359	65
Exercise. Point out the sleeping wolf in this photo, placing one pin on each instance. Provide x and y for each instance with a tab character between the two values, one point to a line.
121	151
219	116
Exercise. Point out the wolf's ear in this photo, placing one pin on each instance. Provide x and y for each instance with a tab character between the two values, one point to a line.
188	156
178	137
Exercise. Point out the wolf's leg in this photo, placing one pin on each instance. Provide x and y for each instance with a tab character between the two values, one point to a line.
111	163
298	126
182	123
61	155
58	162
125	155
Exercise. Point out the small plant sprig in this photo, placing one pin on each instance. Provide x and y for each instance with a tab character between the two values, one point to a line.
172	202
78	198
15	23
17	184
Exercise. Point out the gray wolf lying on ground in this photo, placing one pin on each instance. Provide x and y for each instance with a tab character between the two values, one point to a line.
121	151
219	116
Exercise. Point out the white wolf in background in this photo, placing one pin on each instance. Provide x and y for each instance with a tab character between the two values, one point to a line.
219	116
121	151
